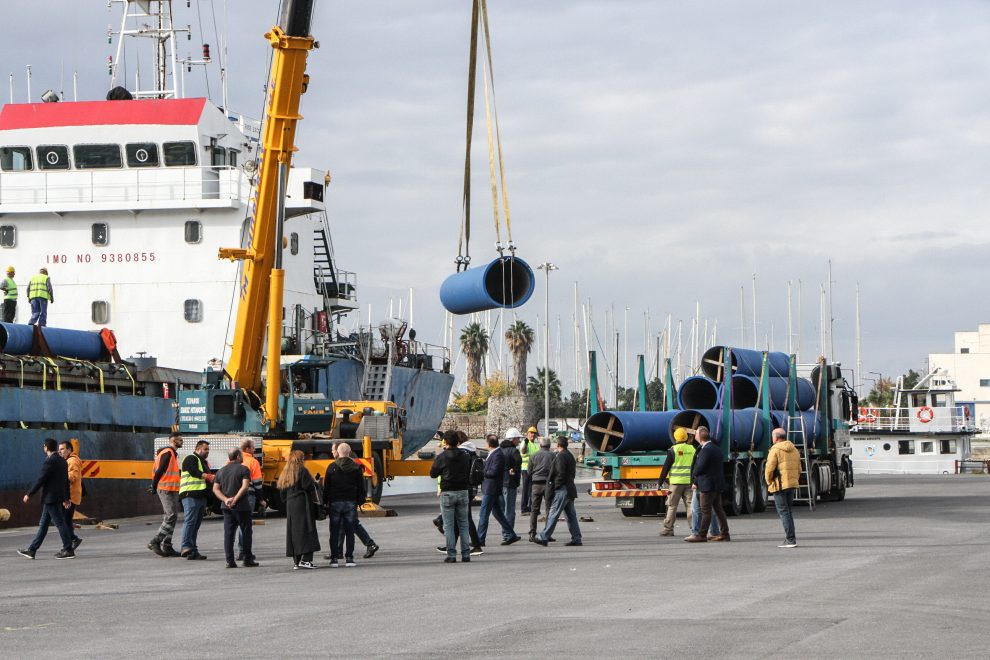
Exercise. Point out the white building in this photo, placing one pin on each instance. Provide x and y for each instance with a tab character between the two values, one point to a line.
969	366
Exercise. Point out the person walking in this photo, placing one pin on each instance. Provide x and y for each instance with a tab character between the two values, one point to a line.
783	475
453	468
165	482
40	295
193	484
562	474
677	469
707	476
343	488
539	470
74	467
298	489
492	500
232	486
513	475
9	287
370	547
53	482
255	494
527	449
471	450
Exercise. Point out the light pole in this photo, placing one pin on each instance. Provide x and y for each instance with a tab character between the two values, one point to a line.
546	267
876	387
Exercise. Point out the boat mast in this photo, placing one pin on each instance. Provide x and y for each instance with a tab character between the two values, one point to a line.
859	346
150	19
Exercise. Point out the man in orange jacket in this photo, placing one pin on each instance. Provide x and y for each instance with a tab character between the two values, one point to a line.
165	481
75	486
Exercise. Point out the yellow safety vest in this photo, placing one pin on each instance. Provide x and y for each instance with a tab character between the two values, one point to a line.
12	289
38	287
680	472
531	448
191	483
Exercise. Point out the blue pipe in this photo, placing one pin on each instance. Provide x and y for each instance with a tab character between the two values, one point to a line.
812	424
698	392
745	362
741	432
16	338
746	389
507	283
641	431
78	344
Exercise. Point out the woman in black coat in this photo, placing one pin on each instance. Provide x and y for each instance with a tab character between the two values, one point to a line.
298	487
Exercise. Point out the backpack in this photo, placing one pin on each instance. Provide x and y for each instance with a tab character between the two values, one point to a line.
477	474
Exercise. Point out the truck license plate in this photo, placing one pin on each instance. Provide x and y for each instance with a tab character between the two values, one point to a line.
649	485
625	502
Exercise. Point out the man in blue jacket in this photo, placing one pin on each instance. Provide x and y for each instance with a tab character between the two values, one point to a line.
53	482
492	502
708	480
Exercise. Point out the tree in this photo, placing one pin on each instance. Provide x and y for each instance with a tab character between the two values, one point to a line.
519	338
882	394
536	389
477	396
474	346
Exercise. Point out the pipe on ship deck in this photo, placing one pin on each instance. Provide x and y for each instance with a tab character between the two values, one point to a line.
641	431
18	339
506	283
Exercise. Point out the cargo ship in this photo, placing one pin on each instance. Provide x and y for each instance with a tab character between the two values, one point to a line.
126	202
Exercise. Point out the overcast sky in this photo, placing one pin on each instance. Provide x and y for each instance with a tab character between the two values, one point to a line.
661	153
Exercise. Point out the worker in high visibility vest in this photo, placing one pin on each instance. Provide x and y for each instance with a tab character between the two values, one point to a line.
193	485
677	468
165	482
527	448
40	294
9	287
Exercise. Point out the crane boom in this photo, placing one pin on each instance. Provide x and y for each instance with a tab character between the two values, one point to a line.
291	42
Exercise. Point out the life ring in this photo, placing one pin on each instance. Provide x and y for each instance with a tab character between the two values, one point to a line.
867	415
925	414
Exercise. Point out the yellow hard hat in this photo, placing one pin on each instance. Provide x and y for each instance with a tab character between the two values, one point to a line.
680	435
532	429
10	270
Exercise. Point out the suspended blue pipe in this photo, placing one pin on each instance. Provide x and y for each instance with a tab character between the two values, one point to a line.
16	338
745	426
507	283
641	431
698	392
812	425
745	362
745	392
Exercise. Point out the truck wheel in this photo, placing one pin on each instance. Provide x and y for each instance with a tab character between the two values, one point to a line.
752	486
732	501
760	495
839	489
375	492
636	510
654	506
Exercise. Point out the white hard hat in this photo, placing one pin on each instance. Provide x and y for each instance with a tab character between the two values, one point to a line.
512	432
468	446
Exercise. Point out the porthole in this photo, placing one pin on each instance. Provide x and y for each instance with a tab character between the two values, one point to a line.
193	310
101	312
194	231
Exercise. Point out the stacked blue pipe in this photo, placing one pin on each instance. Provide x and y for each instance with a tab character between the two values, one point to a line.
506	283
18	339
698	392
745	362
745	428
746	392
641	431
811	421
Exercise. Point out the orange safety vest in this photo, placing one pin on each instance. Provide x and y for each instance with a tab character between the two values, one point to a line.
169	480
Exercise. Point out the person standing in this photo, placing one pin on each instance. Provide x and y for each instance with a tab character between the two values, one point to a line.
255	494
527	449
9	287
165	481
453	468
562	474
708	479
53	482
74	467
492	501
677	469
370	547
783	475
193	482
468	448
298	490
513	475
343	488
232	486
539	470
40	295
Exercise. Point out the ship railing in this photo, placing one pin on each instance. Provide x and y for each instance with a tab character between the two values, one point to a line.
939	419
336	284
139	186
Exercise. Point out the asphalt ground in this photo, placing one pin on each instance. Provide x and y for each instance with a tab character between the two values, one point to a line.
897	570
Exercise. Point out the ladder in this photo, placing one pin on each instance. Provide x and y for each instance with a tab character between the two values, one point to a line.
795	428
375	380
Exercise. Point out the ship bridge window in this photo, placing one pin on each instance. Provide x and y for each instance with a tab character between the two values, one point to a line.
947	447
8	236
312	190
232	157
193	310
15	159
101	233
219	157
905	446
97	156
179	154
101	312
194	231
142	154
53	157
985	382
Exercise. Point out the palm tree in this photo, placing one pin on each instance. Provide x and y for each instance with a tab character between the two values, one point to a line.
536	387
474	345
519	338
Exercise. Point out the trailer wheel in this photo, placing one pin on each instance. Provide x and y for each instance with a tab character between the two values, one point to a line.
752	487
760	495
636	510
732	501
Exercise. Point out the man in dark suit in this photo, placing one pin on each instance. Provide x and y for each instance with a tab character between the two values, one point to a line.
562	474
492	501
53	482
706	474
